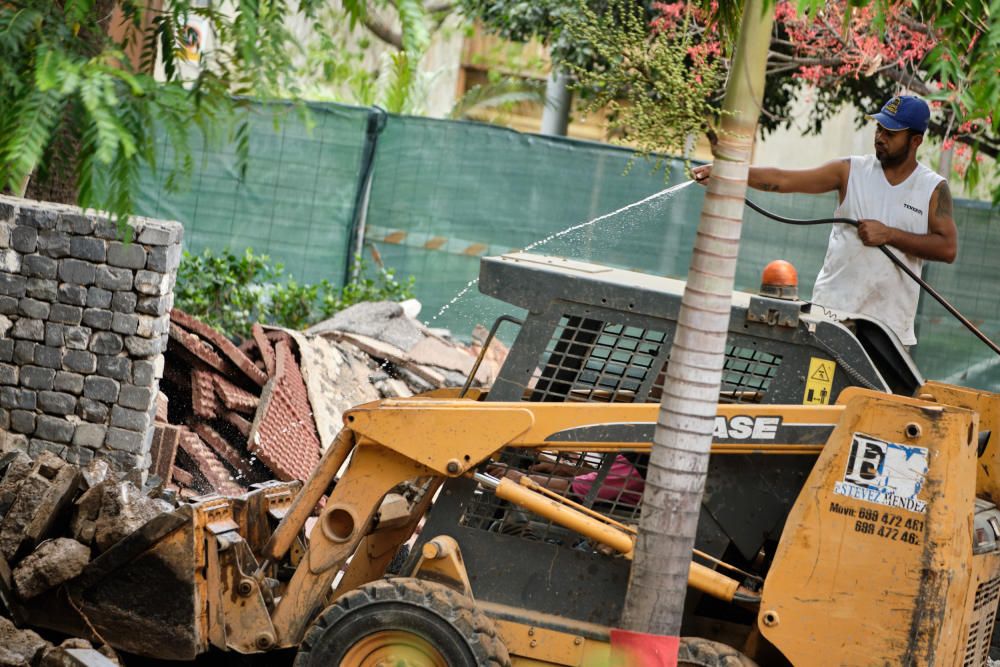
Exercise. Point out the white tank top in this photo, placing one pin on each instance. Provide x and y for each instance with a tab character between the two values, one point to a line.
860	279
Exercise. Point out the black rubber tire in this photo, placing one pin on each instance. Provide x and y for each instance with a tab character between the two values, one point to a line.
446	619
698	652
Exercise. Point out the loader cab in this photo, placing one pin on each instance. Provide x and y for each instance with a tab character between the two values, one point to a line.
599	334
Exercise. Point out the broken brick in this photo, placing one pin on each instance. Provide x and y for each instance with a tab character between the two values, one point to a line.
234	397
265	347
227	347
284	434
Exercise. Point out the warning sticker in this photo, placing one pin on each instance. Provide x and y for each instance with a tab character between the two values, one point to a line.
819	382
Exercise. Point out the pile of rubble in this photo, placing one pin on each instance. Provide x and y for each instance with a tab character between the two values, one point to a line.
55	518
232	415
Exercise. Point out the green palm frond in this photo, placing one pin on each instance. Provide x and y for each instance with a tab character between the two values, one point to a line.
507	91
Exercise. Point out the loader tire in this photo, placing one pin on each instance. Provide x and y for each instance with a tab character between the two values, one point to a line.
402	621
698	652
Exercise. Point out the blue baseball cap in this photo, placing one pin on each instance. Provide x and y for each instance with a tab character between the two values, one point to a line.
903	112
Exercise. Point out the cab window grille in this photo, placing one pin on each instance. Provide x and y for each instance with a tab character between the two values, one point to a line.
587	360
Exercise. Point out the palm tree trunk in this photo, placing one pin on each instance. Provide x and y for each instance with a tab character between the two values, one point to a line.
683	436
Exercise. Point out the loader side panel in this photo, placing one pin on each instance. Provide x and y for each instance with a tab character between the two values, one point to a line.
875	562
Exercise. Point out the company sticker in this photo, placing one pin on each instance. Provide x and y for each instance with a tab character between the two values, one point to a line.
885	473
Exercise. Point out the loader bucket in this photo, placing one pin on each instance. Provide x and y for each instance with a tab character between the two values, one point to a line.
141	595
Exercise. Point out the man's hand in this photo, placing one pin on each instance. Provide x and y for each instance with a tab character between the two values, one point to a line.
701	173
874	233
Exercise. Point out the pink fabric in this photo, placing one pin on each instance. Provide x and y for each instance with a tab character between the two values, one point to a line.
623	479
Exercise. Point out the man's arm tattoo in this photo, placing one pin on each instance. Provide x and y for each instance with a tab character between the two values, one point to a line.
944	205
768	187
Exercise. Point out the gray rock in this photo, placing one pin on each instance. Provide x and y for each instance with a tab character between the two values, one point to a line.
53	563
10	261
131	256
53	244
24	399
130	420
163	259
65	313
43	289
105	229
124	440
29	329
105	342
38	218
8	374
160	232
74	295
38	266
28	307
144	373
98	298
143	347
8	305
48	356
77	271
12	285
35	377
152	327
90	249
6	349
92	411
100	388
151	283
137	398
126	324
24	239
38	446
78	455
76	223
80	361
98	319
114	278
56	403
77	338
124	302
22	421
24	352
53	429
155	305
54	334
90	435
117	367
71	383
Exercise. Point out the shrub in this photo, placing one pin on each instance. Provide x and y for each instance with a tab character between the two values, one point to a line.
232	292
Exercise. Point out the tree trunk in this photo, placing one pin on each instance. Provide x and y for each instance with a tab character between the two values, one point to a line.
558	99
683	436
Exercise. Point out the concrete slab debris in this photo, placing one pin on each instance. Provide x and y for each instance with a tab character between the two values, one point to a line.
19	647
54	562
382	320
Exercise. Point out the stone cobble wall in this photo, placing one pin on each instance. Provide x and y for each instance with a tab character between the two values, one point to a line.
84	317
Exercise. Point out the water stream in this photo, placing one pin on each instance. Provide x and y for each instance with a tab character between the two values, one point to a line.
666	194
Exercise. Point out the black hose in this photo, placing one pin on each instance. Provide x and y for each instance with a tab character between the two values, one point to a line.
895	260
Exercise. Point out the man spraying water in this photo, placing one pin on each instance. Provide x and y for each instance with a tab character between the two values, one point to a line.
898	202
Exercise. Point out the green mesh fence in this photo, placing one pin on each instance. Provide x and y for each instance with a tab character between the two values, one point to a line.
445	193
296	201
